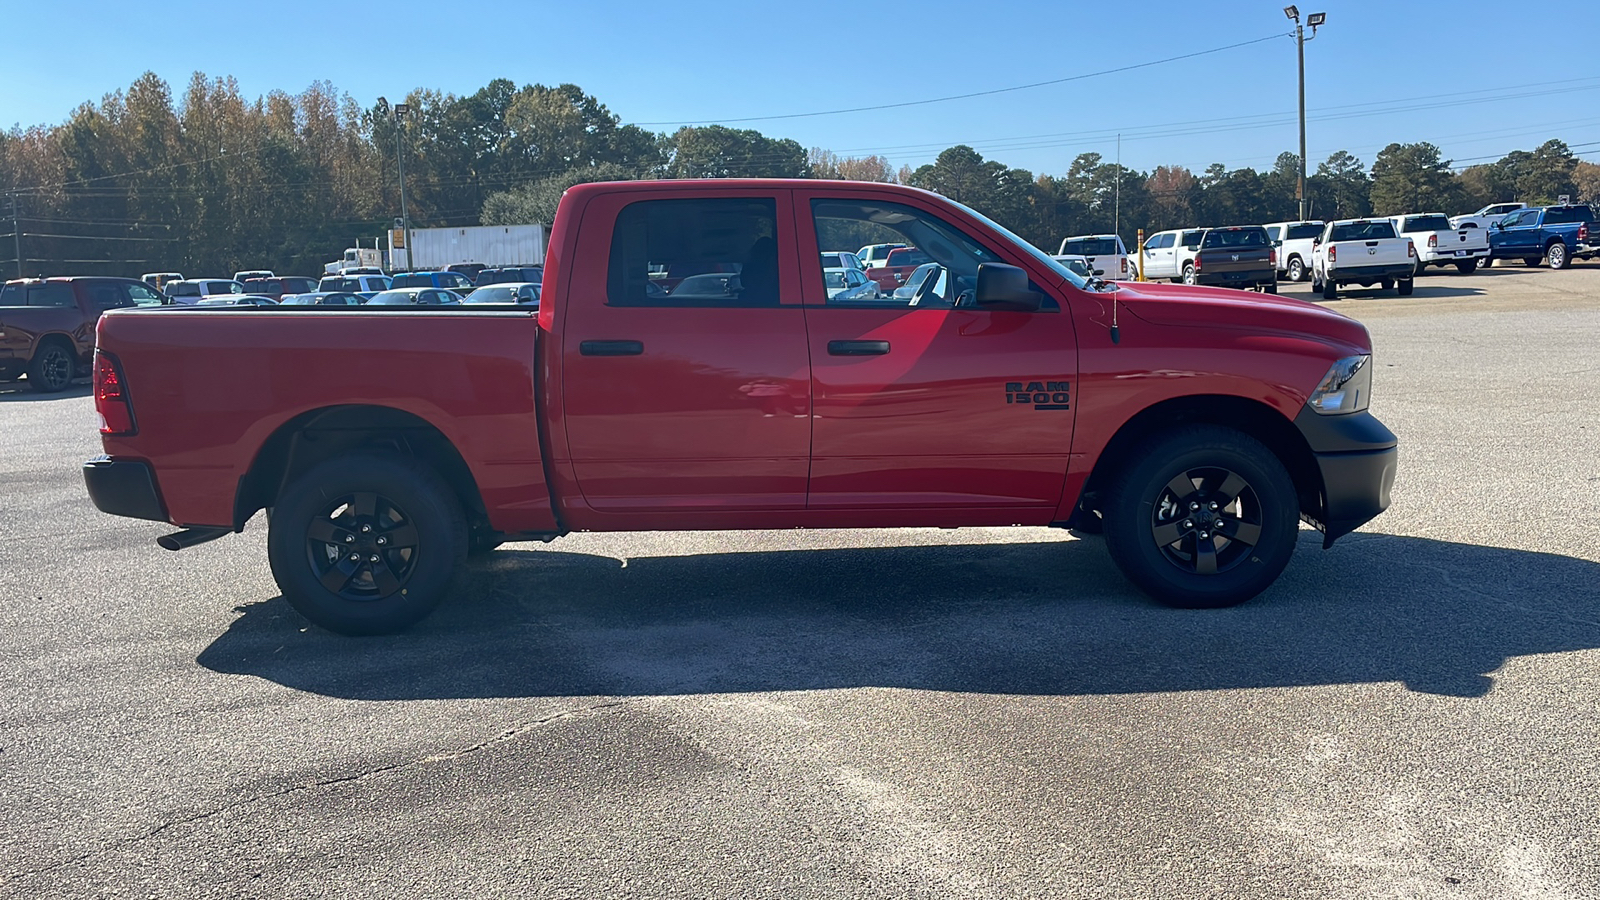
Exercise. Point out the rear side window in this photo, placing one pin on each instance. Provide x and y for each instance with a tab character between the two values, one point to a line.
1191	239
185	289
1302	232
51	295
401	281
710	252
106	295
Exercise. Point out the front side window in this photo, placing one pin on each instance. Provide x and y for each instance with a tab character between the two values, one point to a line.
925	237
712	252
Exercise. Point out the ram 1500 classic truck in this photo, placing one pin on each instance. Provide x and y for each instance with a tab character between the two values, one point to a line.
1193	426
1438	244
1365	252
1544	233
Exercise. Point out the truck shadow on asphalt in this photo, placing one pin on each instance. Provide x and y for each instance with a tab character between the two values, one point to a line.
18	390
1048	617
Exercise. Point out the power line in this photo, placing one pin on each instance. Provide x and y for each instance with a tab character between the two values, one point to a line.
968	96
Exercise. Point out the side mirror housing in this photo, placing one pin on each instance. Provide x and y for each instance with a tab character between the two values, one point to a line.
1099	271
1003	287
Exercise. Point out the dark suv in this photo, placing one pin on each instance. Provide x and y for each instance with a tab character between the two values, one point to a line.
529	274
47	325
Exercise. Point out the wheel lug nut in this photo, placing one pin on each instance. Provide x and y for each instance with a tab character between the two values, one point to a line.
366	528
374	558
1213	505
383	540
1193	505
349	539
1205	535
355	557
1188	523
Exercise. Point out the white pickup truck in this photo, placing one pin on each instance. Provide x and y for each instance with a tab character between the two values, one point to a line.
1439	244
1364	252
1487	216
1294	241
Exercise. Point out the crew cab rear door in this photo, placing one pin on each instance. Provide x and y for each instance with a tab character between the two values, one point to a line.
931	402
685	372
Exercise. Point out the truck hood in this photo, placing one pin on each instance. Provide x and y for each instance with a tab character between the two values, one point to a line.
1205	307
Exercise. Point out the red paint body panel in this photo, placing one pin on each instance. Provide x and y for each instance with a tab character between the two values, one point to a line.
730	417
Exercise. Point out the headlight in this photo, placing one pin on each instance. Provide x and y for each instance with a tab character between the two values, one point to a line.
1346	388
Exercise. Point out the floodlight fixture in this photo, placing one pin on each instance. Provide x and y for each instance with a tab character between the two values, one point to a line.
1316	19
1292	12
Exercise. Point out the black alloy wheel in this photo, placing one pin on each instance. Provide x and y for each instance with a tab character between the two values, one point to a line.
368	543
362	547
1206	517
51	370
1207	520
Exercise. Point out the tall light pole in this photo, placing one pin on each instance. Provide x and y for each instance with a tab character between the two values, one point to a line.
400	110
1314	20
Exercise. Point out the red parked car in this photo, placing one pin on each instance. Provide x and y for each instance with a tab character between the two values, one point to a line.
1194	426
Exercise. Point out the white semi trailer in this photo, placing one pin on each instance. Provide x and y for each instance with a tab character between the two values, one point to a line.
432	249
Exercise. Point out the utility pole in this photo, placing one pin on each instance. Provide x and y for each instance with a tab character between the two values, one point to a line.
16	230
1314	20
399	112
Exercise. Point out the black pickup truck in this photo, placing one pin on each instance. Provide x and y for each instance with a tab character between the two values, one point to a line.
1238	256
47	325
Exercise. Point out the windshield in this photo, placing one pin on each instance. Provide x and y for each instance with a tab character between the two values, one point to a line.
1427	223
1043	258
393	298
1361	231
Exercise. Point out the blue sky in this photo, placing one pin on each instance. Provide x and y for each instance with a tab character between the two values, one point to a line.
1450	73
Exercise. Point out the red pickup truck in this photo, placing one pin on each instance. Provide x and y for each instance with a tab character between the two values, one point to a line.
897	268
1193	426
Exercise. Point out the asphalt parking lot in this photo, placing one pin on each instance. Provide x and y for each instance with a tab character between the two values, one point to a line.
904	713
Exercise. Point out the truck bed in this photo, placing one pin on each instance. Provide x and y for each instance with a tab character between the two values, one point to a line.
213	385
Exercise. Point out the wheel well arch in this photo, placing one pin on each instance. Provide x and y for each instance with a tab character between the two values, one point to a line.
52	338
1251	417
1554	240
321	434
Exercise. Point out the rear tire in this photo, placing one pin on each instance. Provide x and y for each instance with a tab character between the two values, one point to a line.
1467	267
1269	288
1386	283
1167	493
1407	286
1420	268
1188	273
1557	255
1297	269
367	543
1330	290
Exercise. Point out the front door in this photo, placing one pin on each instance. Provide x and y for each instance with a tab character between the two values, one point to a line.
929	402
686	380
1518	237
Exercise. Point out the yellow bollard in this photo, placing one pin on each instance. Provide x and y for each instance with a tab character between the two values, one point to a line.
1139	242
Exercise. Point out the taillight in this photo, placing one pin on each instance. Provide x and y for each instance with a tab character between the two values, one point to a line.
1411	249
1272	257
1433	240
1124	265
1583	232
1333	254
111	397
1197	263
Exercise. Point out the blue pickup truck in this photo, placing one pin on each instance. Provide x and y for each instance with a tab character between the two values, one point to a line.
1558	234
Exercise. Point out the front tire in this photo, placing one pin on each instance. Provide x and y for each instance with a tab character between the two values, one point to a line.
51	369
1557	255
1205	518
1532	262
366	543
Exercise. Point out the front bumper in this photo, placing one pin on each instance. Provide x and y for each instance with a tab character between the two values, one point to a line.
1357	458
123	488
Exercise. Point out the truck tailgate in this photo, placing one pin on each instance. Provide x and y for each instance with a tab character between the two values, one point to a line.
209	387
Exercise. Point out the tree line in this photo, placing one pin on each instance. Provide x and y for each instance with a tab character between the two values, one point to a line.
210	182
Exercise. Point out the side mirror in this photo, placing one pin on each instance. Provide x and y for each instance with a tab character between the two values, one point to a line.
1500	225
1316	240
1099	271
1004	287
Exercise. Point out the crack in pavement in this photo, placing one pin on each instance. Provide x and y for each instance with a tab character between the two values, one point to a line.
504	736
